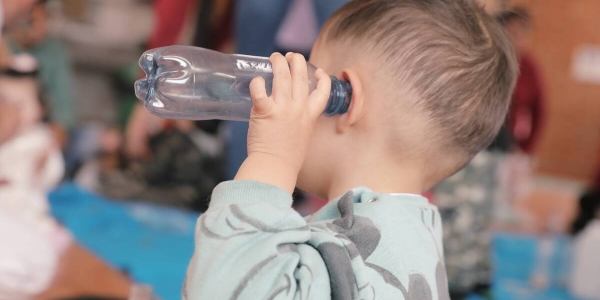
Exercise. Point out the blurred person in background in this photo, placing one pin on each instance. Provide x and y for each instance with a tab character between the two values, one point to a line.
171	162
526	117
33	37
10	11
29	264
528	113
517	141
31	164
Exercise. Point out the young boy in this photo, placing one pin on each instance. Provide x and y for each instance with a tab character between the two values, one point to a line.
431	81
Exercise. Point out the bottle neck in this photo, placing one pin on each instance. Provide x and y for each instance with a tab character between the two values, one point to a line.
339	97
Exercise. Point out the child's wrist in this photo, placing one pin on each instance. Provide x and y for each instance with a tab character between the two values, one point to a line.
270	169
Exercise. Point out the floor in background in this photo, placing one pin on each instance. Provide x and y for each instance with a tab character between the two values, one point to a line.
151	244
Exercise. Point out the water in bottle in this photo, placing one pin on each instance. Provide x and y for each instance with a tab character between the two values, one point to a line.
193	83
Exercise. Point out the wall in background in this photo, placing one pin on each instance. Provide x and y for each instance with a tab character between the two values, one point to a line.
570	145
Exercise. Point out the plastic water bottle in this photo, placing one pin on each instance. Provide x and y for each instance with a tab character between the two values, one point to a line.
193	83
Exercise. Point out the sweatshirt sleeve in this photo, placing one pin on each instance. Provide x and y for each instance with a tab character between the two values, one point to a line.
251	244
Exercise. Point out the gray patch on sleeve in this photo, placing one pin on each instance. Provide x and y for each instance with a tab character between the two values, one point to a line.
360	230
346	208
353	251
418	288
287	248
341	275
389	278
258	224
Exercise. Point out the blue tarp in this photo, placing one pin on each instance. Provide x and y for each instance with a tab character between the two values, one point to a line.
515	258
153	244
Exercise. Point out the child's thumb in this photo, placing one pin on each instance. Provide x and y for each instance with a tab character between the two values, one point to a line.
262	103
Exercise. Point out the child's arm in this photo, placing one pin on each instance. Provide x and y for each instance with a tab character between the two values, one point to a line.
251	244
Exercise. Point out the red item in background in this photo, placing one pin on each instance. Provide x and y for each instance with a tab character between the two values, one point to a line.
527	112
596	183
170	18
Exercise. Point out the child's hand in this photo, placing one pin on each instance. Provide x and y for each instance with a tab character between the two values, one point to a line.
281	125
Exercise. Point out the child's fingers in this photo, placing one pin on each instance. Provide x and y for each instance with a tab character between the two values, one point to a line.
262	103
319	97
282	78
299	76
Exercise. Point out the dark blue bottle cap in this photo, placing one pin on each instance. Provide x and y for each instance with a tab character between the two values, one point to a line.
339	97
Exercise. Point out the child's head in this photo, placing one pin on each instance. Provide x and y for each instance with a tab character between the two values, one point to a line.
432	81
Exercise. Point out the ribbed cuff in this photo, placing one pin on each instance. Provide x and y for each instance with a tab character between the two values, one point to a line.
248	191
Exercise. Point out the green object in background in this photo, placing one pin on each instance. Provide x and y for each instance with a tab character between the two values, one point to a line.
127	100
56	79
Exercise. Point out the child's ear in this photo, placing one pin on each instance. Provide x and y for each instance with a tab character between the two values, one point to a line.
355	111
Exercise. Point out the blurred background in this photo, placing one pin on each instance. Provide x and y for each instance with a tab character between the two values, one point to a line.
98	198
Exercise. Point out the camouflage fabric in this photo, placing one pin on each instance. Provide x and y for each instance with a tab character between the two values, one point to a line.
466	203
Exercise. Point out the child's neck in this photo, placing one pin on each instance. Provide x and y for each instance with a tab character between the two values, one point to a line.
379	179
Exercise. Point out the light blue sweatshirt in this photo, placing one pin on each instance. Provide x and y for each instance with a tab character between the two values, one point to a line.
251	244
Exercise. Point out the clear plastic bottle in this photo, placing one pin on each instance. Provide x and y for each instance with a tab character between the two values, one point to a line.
193	83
